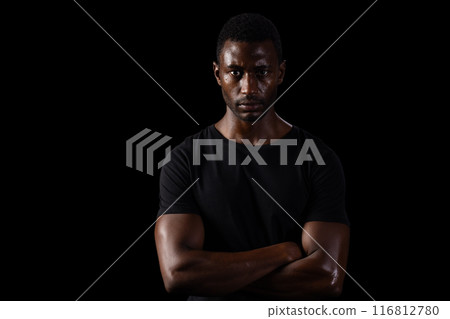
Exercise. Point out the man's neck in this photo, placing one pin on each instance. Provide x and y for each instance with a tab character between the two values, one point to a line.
269	127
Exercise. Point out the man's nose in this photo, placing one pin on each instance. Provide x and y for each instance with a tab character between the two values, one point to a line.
249	84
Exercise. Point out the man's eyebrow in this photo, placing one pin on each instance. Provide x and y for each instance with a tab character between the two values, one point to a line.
234	66
263	66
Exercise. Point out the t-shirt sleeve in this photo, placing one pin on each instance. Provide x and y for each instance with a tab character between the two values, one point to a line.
327	198
174	180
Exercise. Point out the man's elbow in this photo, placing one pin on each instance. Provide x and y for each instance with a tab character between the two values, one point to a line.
173	282
335	283
328	286
169	284
335	290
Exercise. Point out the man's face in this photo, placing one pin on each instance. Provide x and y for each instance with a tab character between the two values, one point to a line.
249	74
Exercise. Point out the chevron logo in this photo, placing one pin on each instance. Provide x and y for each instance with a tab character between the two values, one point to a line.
141	149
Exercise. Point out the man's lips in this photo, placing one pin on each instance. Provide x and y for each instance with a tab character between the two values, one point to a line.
251	106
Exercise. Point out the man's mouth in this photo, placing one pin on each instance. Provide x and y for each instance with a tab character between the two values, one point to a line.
251	106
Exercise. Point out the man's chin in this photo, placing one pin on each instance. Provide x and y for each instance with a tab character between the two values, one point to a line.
249	116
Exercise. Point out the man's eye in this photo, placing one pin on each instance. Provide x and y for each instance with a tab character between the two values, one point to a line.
263	72
235	73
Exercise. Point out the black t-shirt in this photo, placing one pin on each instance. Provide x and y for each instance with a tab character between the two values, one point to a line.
237	214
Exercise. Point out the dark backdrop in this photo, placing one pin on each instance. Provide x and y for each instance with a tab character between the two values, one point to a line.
75	206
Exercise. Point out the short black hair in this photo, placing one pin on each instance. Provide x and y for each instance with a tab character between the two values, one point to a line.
249	27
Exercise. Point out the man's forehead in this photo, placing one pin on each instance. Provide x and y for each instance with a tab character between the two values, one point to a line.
238	52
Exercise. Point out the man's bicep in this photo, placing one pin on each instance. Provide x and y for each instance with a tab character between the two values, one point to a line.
175	236
332	237
178	231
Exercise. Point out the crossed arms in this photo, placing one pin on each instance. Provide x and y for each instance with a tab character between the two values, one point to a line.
281	271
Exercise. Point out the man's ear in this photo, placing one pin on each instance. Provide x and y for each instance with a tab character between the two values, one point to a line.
216	71
282	72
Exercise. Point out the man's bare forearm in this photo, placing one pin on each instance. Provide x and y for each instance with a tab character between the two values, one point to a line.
303	279
207	273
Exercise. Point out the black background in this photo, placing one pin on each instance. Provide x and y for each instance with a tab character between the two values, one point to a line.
72	206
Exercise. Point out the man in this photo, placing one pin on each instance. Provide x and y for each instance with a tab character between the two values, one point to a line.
227	238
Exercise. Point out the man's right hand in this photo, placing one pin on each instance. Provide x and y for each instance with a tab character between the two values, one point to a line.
293	251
